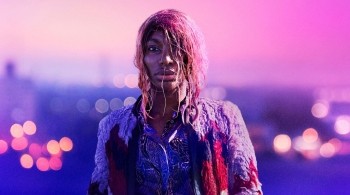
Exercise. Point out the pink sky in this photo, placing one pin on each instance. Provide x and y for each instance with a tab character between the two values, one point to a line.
249	43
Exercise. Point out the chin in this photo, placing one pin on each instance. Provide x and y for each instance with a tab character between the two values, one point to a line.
168	87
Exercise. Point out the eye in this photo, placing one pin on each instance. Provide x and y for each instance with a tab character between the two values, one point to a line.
153	49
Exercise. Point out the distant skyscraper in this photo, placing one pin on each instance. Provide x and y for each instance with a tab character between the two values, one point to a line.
17	98
10	69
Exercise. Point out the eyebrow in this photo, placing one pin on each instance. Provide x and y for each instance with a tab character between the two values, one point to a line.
154	40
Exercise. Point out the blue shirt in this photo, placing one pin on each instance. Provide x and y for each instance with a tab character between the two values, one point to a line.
163	162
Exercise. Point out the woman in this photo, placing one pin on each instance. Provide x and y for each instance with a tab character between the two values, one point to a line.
171	141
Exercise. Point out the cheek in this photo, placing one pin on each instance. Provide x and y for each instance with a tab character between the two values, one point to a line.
150	64
147	60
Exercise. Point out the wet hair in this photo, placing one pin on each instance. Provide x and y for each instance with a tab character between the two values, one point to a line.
188	51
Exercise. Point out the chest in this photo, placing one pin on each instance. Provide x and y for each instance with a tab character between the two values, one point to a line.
163	162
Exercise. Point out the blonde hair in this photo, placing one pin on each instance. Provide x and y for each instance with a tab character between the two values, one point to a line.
188	49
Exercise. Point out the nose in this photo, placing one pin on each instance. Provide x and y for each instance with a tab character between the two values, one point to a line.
166	58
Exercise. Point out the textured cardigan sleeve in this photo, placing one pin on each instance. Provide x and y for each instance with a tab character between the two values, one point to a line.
126	121
242	165
99	179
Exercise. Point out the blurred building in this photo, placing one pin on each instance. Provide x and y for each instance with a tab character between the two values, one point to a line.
17	98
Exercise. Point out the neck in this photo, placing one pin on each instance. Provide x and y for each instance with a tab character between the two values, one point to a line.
165	103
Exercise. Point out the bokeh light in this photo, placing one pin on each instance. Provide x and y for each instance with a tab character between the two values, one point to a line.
3	146
129	101
35	150
282	143
327	150
342	125
55	163
29	128
83	105
309	150
53	147
16	130
26	161
118	80
66	144
19	143
102	106
115	103
310	135
42	164
320	109
336	143
131	80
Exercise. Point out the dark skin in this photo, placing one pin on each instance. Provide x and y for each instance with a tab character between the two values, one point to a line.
159	116
166	80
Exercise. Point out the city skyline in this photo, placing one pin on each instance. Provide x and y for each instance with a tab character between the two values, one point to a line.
272	43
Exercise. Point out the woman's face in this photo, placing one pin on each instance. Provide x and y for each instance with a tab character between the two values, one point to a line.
161	65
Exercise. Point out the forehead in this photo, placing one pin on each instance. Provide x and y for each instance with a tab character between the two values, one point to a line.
157	37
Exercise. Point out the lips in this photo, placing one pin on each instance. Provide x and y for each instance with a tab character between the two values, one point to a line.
166	72
166	75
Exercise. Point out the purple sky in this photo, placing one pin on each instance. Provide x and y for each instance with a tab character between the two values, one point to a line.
297	42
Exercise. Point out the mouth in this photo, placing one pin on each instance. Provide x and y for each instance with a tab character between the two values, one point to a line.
166	75
166	78
166	72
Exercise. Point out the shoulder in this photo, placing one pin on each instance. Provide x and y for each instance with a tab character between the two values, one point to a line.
122	117
219	105
219	109
114	117
223	113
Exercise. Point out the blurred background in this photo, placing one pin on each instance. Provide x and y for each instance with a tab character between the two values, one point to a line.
64	65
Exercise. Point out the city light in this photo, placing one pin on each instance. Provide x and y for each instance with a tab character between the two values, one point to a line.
53	147
115	103
342	125
336	143
320	109
26	161
102	106
16	130
129	101
19	143
310	135
42	164
131	80
29	128
55	163
327	150
66	144
282	143
118	81
3	146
